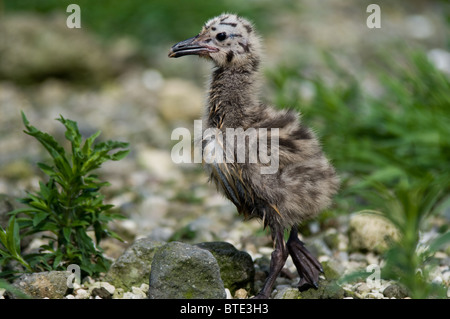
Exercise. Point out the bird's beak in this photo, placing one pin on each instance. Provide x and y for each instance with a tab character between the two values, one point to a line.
191	46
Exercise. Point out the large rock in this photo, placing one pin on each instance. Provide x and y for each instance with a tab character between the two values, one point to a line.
133	267
327	290
395	291
236	267
36	47
183	271
48	284
370	232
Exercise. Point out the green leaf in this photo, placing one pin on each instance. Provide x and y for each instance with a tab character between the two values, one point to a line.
44	191
109	146
4	253
49	143
114	235
38	217
48	170
119	155
48	247
87	147
39	205
63	166
99	231
3	237
72	132
59	256
78	223
25	210
439	242
67	231
14	290
13	237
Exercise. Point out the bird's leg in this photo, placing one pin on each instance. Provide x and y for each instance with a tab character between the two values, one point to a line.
277	261
308	267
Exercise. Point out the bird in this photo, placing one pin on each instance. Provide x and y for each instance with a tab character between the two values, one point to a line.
304	182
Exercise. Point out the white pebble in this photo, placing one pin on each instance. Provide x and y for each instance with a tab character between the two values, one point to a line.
130	295
118	294
265	250
70	297
374	295
228	294
437	280
144	288
138	292
89	280
419	26
76	286
82	294
110	288
446	277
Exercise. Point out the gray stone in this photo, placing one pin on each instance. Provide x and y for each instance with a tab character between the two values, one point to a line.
48	284
101	289
370	232
395	291
236	267
287	293
333	270
183	271
362	289
327	290
101	292
133	267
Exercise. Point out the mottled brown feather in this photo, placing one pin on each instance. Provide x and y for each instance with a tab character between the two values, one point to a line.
305	181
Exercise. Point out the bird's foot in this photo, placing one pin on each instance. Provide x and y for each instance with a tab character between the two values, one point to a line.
308	267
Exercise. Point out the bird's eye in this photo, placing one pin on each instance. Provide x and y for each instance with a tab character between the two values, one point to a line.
221	36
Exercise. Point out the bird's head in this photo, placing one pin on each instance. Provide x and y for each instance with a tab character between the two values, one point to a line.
228	40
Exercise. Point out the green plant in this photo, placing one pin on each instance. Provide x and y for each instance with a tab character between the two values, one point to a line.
10	239
66	207
386	147
10	288
409	207
402	131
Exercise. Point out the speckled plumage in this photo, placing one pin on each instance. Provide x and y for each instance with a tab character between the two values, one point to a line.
305	181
